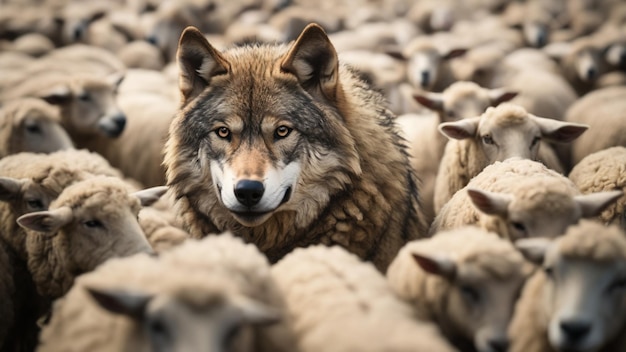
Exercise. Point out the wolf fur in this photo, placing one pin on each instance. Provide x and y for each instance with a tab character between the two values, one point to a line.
319	144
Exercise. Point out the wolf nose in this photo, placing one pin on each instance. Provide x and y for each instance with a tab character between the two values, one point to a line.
248	192
574	329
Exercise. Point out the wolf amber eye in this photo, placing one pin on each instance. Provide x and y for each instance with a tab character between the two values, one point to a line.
223	132
282	132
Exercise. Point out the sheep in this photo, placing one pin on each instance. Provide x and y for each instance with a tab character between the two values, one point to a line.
576	302
90	222
339	303
499	133
604	110
600	172
426	145
141	54
466	280
428	65
87	103
208	295
519	198
31	125
33	44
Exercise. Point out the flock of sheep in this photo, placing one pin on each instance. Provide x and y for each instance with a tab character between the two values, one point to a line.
513	112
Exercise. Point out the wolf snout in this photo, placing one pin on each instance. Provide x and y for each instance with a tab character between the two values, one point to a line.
249	192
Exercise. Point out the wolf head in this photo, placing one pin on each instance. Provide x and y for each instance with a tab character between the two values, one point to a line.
261	129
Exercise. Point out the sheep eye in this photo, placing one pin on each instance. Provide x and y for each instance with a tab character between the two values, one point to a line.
470	293
35	204
223	133
535	141
32	127
282	132
518	226
487	139
93	223
619	284
84	97
230	335
548	271
451	114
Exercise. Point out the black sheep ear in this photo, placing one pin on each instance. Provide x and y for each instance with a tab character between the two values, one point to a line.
131	304
198	62
313	60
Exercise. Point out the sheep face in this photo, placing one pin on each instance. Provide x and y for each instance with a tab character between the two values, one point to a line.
94	226
38	133
583	298
543	210
424	65
24	195
508	131
479	301
463	100
587	64
89	107
169	324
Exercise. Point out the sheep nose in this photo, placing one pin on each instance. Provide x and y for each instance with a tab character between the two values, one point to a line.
78	34
574	329
591	73
152	40
498	345
120	121
249	192
425	79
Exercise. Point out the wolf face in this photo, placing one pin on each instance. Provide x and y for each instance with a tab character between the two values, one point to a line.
261	127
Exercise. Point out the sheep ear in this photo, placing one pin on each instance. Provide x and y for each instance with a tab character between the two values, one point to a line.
500	95
594	203
256	313
131	304
47	221
395	52
10	188
149	196
452	53
433	101
313	60
558	131
198	62
57	95
489	202
462	129
557	50
534	249
436	264
116	79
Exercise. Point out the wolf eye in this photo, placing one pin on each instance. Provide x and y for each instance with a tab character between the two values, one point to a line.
93	223
223	132
487	139
282	132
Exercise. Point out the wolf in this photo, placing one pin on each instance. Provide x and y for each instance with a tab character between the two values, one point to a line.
286	147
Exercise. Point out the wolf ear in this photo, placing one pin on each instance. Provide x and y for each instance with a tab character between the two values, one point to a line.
313	60
198	62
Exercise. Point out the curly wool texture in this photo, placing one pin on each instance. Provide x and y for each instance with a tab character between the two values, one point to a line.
587	240
490	257
52	273
339	303
536	189
12	116
198	273
604	171
50	174
464	159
